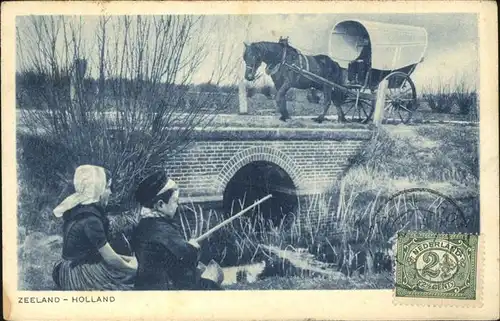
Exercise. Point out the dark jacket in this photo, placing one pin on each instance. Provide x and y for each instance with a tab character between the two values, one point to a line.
166	260
85	231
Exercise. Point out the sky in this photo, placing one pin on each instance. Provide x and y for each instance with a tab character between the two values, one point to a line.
452	40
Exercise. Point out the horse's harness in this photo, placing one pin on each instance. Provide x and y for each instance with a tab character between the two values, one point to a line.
271	70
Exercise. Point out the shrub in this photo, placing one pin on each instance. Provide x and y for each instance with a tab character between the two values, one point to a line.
207	87
465	97
230	89
439	98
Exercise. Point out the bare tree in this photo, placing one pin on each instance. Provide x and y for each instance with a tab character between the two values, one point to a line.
144	66
101	38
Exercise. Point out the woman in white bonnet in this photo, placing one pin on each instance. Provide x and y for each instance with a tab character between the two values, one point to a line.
88	261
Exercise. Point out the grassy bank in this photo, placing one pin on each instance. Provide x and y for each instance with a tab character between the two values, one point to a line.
443	156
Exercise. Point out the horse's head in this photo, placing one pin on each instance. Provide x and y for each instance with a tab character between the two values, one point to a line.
253	60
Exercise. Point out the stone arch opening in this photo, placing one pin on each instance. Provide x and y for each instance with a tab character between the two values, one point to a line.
255	180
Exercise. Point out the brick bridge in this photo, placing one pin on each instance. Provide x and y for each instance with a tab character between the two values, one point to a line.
222	164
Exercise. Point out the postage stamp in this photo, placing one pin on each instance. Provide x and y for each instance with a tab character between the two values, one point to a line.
436	265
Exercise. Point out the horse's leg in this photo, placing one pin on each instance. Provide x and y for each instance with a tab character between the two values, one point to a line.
281	100
327	92
338	99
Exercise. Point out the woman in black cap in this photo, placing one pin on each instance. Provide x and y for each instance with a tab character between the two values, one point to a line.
166	261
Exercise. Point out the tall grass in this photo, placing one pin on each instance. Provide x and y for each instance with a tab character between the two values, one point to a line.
338	237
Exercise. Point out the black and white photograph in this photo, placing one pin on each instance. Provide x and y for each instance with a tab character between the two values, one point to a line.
240	152
181	160
318	159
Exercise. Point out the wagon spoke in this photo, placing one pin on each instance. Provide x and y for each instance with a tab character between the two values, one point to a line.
352	106
400	101
400	94
357	112
404	92
363	107
406	109
364	111
390	97
400	115
390	107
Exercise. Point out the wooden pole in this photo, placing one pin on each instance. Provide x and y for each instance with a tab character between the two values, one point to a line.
378	114
229	220
242	95
72	82
242	91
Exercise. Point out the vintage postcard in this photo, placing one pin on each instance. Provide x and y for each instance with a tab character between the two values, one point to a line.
250	160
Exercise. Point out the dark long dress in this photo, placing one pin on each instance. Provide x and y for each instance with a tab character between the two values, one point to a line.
166	261
85	231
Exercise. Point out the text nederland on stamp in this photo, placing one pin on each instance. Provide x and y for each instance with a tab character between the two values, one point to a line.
430	265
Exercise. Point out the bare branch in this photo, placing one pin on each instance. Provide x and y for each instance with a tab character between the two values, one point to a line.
142	67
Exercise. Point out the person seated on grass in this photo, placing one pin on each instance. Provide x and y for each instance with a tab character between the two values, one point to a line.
166	261
88	261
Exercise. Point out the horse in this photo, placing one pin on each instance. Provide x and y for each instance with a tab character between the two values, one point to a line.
274	54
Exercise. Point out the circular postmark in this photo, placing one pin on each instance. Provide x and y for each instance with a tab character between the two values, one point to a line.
418	209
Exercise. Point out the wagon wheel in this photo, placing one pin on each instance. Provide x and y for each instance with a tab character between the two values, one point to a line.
357	113
400	97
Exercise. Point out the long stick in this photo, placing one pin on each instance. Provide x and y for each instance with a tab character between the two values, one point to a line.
129	247
316	78
229	220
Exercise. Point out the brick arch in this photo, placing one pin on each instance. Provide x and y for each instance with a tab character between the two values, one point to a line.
253	154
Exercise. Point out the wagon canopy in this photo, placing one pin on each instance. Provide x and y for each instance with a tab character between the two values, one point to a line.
388	46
